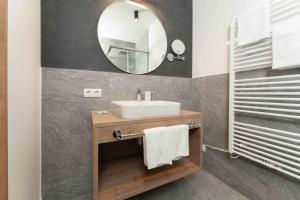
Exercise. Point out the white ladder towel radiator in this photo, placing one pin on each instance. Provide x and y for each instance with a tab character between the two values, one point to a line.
272	97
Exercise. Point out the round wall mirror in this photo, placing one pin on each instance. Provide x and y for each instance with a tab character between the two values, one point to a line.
132	37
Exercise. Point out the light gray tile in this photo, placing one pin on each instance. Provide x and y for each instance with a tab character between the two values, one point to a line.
65	119
124	87
66	153
67	184
67	148
197	84
210	96
62	85
176	88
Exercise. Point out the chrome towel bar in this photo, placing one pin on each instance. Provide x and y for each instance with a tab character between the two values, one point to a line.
117	134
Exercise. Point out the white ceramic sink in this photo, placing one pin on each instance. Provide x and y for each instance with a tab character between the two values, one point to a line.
140	109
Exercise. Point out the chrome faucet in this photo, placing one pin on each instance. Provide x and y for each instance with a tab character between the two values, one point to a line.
139	95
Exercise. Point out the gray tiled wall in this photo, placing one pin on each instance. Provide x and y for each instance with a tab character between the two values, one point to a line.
210	95
66	122
67	138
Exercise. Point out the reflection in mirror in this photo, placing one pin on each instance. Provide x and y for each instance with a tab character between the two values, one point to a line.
132	37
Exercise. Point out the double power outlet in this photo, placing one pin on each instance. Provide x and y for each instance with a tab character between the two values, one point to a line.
92	93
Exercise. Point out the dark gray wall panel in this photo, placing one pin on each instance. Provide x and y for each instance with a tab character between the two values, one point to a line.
69	34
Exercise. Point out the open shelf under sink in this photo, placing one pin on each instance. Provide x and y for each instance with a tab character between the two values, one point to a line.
126	177
118	165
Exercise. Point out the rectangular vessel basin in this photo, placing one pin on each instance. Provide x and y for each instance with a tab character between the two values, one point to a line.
141	109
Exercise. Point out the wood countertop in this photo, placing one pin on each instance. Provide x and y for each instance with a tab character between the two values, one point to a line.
110	119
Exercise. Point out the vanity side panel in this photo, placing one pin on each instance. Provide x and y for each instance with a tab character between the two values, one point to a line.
196	146
95	162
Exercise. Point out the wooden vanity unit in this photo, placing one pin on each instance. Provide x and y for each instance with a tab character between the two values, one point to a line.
127	176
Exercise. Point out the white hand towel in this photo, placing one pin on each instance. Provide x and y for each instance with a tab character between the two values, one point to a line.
179	141
286	45
254	24
156	147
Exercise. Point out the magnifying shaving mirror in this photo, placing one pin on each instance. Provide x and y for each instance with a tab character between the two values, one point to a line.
178	49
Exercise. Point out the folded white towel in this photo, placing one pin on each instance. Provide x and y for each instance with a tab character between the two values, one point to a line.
156	147
286	45
179	141
162	145
254	24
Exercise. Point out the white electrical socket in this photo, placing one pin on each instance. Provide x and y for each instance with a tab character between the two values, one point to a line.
92	93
